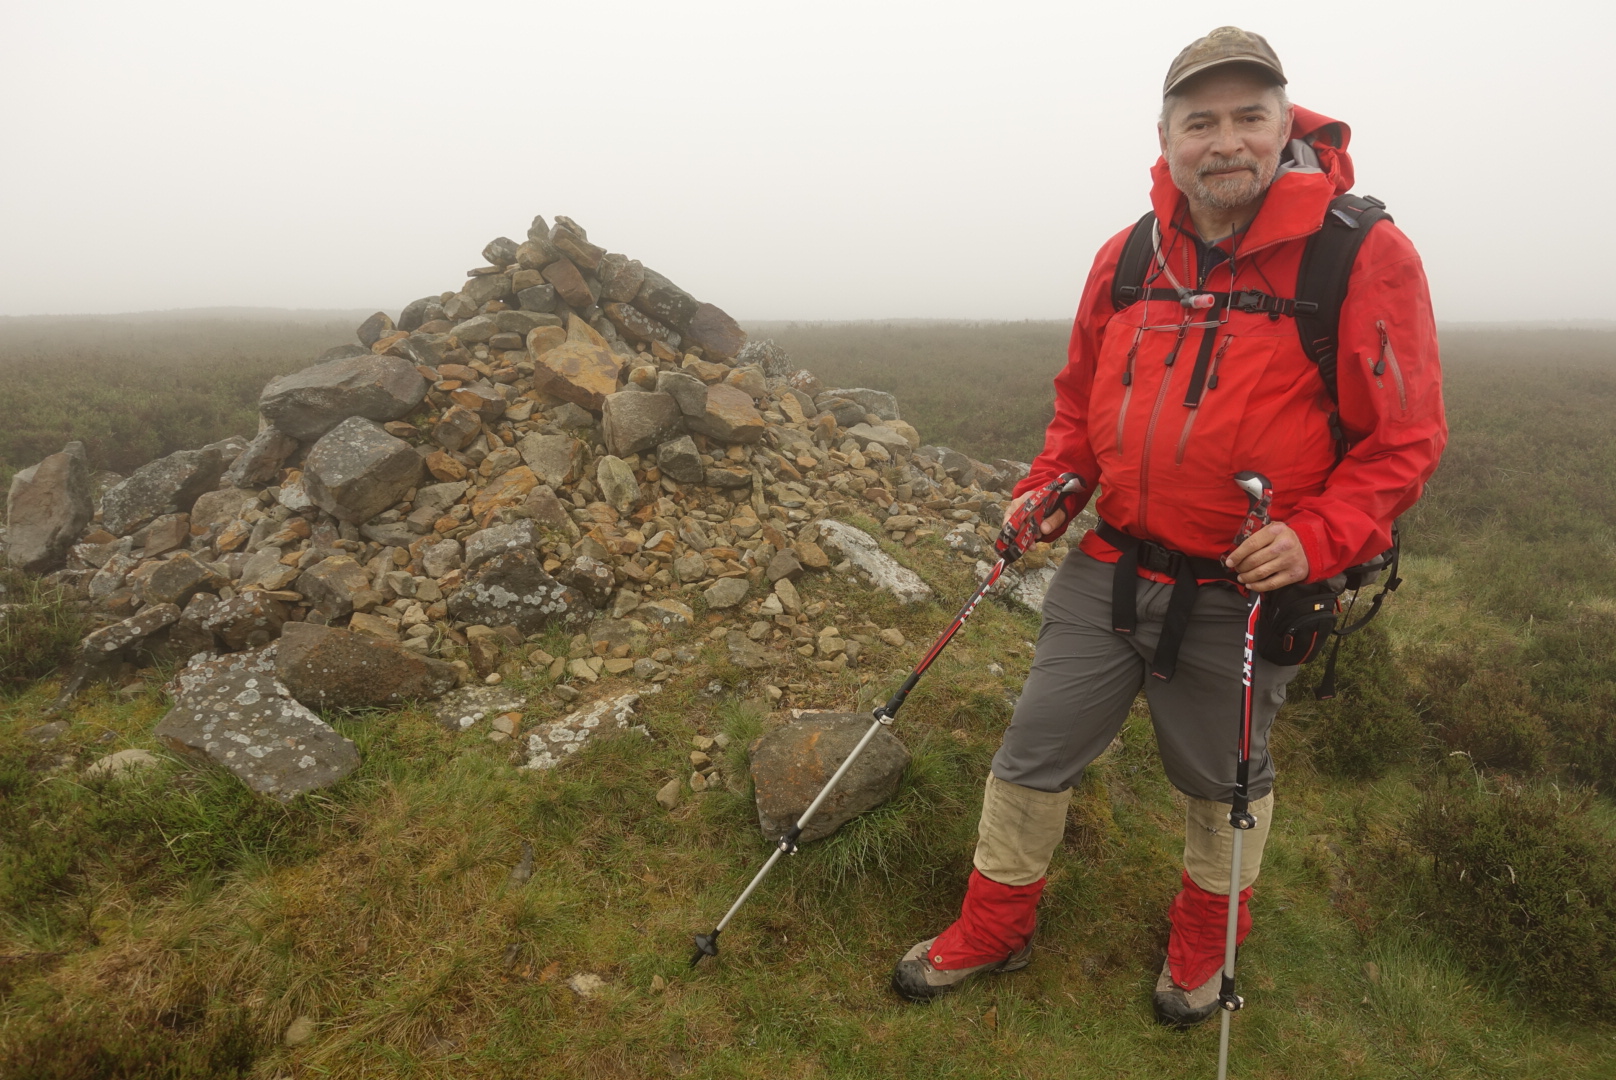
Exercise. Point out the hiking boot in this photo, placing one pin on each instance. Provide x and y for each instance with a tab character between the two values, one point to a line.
1180	1008
915	979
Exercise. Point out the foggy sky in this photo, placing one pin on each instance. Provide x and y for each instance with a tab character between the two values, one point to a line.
808	161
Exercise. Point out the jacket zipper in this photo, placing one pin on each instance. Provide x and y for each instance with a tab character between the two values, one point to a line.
1127	384
1150	431
1389	357
1211	384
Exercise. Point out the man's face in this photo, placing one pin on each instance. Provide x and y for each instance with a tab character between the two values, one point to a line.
1223	138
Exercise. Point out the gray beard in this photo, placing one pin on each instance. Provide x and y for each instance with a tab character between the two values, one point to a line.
1196	188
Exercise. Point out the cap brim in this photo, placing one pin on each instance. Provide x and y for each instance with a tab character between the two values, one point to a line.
1255	61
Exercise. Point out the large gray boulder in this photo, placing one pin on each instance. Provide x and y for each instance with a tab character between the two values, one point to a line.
309	403
169	485
236	714
327	668
261	461
635	420
357	470
617	484
681	460
513	589
47	508
791	764
664	301
689	391
715	332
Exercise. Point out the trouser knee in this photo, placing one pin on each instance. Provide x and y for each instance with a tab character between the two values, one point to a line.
1209	843
1019	830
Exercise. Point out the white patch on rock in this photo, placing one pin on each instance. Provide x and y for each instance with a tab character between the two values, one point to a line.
864	553
1026	587
549	744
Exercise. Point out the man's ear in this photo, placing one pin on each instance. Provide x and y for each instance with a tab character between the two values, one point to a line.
1290	122
1161	137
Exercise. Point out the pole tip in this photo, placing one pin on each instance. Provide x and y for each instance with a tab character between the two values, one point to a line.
706	945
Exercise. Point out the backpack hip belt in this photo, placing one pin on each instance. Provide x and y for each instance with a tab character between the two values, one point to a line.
1187	572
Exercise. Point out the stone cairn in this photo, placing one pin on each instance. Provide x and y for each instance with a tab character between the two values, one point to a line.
568	440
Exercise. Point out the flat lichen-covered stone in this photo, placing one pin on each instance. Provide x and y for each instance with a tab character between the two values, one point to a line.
552	743
234	713
513	589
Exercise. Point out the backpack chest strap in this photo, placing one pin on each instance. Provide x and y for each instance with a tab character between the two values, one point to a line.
1252	301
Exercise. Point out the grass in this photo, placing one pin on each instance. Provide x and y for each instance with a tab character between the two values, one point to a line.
172	926
39	629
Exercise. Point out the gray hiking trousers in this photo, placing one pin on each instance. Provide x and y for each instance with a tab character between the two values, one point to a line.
1085	677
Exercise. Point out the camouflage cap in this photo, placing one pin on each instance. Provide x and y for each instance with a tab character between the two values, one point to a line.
1225	45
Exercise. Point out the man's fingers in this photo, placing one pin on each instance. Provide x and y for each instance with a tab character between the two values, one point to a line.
1014	505
1241	557
1053	522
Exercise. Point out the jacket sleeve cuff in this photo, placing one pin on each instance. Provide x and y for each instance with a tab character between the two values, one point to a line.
1309	529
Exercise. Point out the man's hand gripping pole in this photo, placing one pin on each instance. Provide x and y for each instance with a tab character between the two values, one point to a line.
1022	529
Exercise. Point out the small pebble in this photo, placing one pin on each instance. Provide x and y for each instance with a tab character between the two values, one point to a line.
494	679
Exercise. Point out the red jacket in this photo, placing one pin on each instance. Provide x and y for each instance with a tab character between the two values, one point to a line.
1166	470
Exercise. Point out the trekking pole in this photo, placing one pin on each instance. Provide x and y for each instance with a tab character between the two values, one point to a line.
1022	529
1259	495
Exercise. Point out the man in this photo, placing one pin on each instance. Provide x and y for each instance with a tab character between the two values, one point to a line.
1163	400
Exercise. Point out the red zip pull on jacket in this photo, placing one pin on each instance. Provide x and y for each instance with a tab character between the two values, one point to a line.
1166	414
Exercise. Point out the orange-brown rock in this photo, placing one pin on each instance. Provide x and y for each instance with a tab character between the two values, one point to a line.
507	489
577	372
544	338
705	371
569	283
576	248
444	467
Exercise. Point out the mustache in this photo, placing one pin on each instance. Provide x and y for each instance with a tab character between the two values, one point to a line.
1225	164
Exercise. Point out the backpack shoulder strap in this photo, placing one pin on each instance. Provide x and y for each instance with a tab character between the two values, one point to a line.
1321	282
1134	263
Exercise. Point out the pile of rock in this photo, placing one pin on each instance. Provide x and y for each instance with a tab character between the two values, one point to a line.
569	440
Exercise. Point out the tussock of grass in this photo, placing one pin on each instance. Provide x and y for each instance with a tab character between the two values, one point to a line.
1522	880
39	629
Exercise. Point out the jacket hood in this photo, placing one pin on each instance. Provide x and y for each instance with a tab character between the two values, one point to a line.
1314	168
